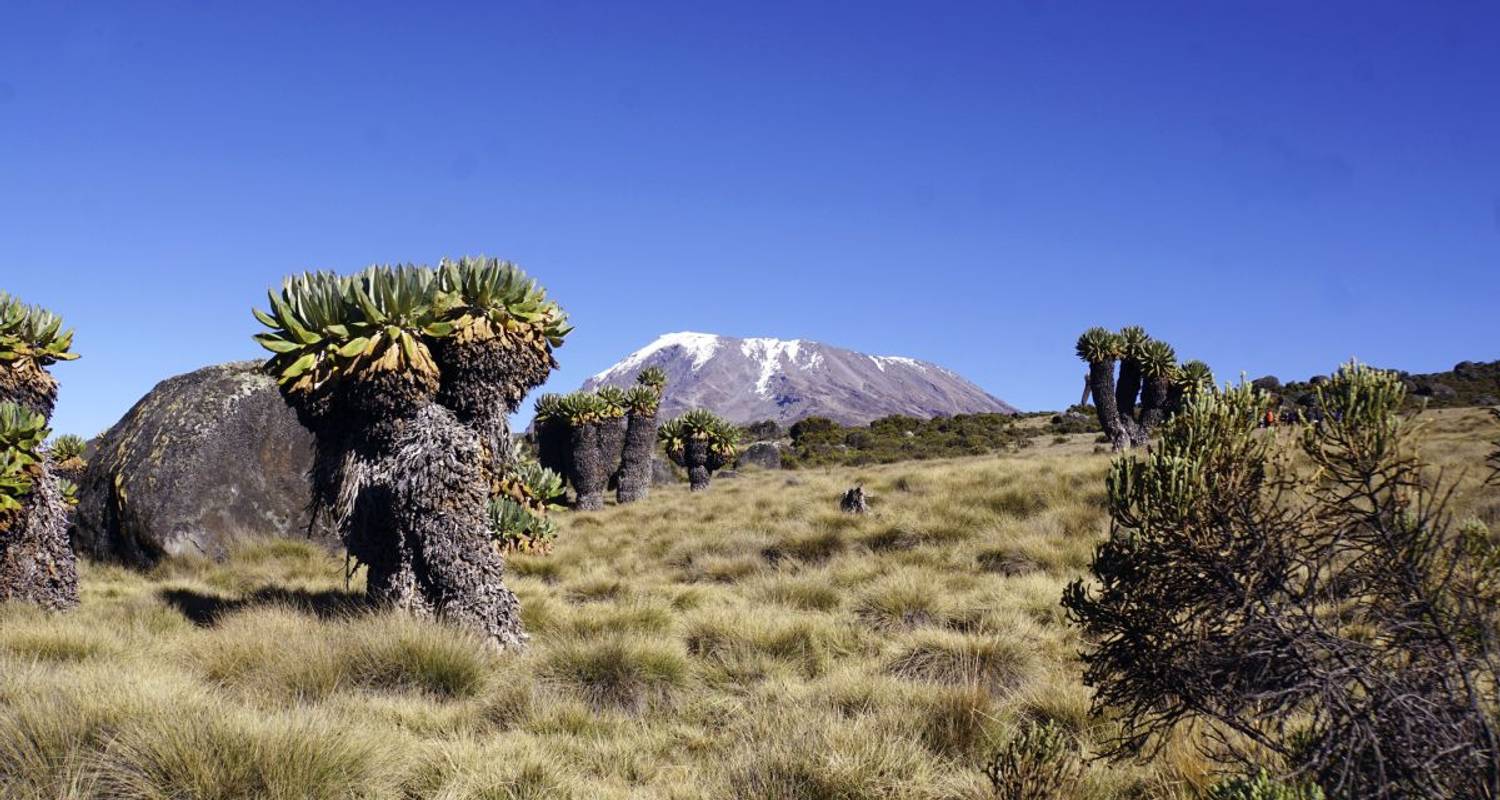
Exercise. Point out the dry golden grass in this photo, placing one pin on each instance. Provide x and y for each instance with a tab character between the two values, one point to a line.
748	642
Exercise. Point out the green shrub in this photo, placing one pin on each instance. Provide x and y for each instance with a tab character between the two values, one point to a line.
763	431
1040	762
1261	786
67	446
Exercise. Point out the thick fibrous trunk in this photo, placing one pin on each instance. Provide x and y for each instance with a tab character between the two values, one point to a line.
612	447
36	560
406	464
413	513
438	504
696	456
1127	389
588	475
37	564
1102	386
554	446
635	463
491	424
1154	403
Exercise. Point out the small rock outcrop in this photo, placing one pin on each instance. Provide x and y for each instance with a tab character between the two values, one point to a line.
203	460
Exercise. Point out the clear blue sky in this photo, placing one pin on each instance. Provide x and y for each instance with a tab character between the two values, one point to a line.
1271	186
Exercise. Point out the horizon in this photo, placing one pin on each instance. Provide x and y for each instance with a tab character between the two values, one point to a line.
1272	188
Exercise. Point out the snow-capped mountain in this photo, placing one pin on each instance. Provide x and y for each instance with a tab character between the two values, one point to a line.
746	380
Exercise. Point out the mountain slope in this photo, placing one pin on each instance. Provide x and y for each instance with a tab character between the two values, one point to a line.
747	380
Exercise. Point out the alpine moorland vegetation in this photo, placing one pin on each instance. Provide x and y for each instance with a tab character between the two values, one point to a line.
1307	598
818	441
31	340
65	453
405	375
37	564
749	642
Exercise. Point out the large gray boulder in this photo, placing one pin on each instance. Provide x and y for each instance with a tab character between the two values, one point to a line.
765	455
202	461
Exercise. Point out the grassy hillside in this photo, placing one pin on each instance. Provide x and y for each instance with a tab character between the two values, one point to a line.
750	642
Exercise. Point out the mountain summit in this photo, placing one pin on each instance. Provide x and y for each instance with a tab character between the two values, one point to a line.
747	380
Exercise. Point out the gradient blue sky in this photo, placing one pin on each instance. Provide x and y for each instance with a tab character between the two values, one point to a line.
1272	186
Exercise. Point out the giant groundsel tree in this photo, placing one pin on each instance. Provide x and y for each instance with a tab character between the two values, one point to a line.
700	442
613	426
1149	387
642	402
1132	341
601	438
1100	349
405	375
583	415
36	561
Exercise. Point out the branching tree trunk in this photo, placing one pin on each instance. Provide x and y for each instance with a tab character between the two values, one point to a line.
406	375
1127	388
1102	386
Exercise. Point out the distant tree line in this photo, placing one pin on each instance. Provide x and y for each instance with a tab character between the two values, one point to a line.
819	441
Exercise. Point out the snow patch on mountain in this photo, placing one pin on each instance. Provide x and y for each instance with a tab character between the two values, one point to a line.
747	380
882	361
771	354
698	347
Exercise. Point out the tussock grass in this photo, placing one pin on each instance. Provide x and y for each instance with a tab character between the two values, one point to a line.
901	602
806	593
808	757
950	658
627	674
742	647
230	754
959	722
264	652
750	641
